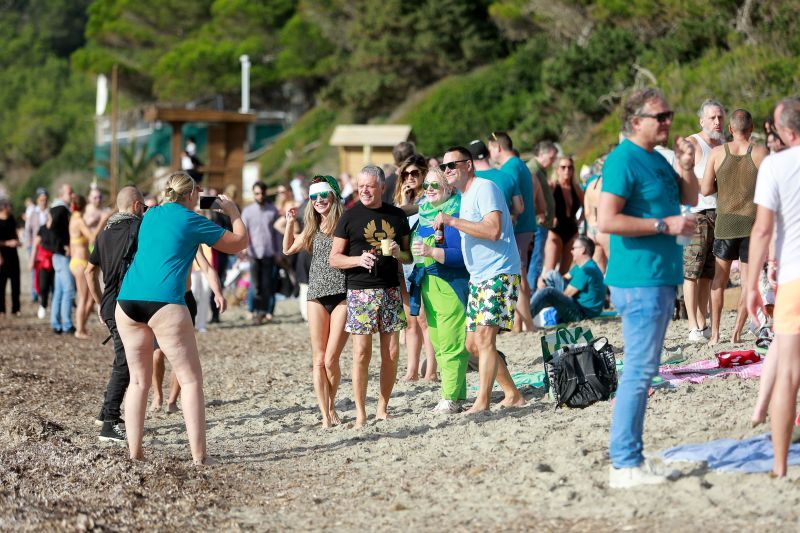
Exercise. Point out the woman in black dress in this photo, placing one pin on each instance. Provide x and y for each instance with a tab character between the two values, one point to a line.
9	259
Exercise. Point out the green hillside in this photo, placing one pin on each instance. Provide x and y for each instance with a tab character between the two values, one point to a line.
454	69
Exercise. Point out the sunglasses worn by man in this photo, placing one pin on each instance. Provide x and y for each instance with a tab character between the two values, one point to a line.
661	117
451	165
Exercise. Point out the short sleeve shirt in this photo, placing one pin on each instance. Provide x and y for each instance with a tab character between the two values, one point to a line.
505	182
777	190
108	252
588	279
526	222
486	259
649	186
168	240
364	228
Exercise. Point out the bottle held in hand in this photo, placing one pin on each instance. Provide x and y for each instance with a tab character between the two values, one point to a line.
684	240
438	234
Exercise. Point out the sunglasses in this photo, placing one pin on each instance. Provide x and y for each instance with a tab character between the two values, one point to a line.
320	195
661	117
451	165
566	166
431	185
407	173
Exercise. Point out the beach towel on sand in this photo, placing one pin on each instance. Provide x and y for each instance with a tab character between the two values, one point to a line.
707	369
749	455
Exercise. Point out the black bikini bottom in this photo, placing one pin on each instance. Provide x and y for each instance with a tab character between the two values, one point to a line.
330	302
140	310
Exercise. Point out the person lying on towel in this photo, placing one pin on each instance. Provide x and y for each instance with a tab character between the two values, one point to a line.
580	293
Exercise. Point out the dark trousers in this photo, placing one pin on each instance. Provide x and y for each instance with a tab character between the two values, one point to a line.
118	382
222	270
10	271
47	280
262	275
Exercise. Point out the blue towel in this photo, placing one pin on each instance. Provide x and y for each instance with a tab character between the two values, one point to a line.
750	455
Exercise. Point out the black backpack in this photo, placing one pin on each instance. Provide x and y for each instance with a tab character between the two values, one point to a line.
583	374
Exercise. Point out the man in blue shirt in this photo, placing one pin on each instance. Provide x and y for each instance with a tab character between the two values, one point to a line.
505	182
640	207
491	258
501	150
578	295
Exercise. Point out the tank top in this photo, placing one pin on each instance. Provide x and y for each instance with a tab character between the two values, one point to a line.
323	279
703	202
736	186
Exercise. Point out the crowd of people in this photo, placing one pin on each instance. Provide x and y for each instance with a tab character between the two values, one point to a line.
450	254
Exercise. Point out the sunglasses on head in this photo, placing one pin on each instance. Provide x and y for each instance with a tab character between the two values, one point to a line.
661	117
431	185
451	165
320	195
406	173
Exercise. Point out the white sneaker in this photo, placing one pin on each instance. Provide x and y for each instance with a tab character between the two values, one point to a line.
447	407
647	473
41	313
697	335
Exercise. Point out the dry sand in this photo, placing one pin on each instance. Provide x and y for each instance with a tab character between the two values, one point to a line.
532	468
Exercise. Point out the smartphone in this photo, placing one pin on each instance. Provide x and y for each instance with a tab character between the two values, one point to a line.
209	202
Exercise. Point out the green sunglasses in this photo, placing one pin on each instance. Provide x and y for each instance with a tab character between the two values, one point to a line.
431	185
323	195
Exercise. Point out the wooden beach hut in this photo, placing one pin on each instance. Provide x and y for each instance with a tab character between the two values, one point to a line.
365	144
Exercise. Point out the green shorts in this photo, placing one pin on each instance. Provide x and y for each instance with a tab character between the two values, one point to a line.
492	302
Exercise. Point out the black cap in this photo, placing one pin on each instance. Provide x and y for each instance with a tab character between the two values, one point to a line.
478	149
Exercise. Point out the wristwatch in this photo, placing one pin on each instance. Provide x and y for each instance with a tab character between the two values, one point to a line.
661	226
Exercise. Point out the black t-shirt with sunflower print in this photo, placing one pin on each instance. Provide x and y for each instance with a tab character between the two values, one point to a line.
364	228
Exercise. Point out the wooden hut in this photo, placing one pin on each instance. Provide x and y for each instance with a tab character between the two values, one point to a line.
363	144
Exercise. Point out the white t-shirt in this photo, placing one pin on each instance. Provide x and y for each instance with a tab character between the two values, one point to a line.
483	258
777	189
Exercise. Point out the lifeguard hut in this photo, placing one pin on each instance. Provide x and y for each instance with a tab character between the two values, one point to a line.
364	144
227	137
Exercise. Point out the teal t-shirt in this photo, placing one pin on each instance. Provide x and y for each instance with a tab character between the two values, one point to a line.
526	222
649	186
168	241
505	182
588	279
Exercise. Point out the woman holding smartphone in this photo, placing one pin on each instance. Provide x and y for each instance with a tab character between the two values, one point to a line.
151	302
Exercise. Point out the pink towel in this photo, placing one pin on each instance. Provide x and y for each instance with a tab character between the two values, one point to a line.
707	369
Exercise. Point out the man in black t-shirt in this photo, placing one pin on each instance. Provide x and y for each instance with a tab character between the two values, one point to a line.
113	252
369	240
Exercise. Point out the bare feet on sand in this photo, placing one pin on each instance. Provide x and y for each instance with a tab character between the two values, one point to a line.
476	408
713	340
172	408
335	420
411	377
155	407
82	336
383	415
513	401
431	379
360	422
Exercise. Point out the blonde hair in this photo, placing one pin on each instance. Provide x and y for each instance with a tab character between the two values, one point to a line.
313	221
179	184
441	178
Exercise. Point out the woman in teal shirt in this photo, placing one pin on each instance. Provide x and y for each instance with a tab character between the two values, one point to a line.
151	302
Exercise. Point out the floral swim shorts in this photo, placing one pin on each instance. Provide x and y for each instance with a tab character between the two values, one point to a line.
372	311
492	301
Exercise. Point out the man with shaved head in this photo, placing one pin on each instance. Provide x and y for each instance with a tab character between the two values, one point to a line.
112	254
731	173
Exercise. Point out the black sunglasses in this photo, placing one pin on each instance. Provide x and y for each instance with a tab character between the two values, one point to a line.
451	165
406	173
661	117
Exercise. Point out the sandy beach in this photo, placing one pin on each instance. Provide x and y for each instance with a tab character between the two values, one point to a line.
533	468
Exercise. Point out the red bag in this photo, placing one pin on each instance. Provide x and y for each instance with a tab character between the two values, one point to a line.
741	358
44	259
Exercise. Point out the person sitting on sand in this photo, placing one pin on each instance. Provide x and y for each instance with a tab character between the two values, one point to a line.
327	294
374	301
151	302
440	283
579	294
492	260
